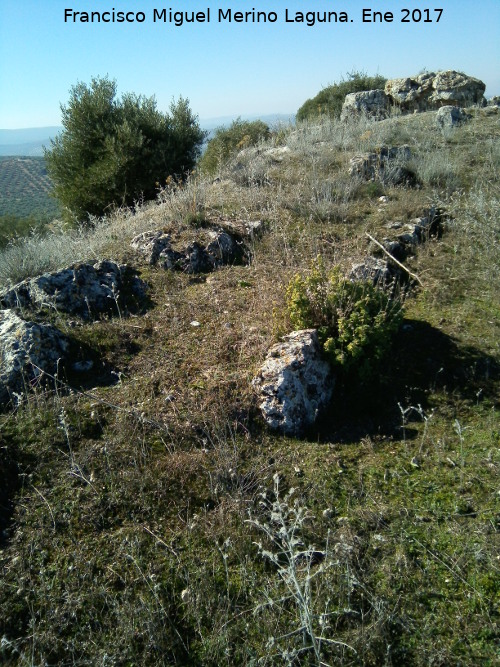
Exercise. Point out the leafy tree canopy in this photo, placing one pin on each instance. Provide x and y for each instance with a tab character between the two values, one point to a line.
328	102
227	140
113	152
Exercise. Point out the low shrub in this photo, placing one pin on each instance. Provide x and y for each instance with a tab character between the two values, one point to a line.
228	140
355	320
329	101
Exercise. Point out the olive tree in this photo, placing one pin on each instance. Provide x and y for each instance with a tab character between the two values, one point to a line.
113	152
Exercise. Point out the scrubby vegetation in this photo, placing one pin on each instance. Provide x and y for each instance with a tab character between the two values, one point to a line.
355	319
117	152
328	102
228	141
155	521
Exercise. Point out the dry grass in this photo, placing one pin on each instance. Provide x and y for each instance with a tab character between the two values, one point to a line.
126	516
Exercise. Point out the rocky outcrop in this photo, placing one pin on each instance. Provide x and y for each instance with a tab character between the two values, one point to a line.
450	117
27	351
220	248
294	384
86	290
373	103
388	165
424	92
433	90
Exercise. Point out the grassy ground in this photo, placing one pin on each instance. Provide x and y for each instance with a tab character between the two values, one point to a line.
156	521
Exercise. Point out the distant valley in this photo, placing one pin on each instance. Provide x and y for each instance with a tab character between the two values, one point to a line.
31	141
28	141
25	185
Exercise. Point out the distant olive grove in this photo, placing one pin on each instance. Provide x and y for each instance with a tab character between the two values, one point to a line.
114	152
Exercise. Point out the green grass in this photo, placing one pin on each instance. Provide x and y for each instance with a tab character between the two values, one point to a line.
133	511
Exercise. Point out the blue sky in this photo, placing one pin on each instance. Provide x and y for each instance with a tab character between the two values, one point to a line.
229	69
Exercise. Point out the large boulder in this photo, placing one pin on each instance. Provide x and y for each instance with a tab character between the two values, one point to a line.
27	351
294	384
82	289
373	103
433	90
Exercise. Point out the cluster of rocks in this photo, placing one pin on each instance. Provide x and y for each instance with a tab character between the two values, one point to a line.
383	271
220	249
295	383
30	351
389	165
424	92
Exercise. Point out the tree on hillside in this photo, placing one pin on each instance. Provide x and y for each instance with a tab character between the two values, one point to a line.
228	140
113	152
329	101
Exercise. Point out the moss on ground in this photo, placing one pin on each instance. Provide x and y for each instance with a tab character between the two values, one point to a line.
132	513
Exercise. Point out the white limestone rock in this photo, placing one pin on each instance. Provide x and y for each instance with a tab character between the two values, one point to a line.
82	289
294	383
27	350
433	90
373	103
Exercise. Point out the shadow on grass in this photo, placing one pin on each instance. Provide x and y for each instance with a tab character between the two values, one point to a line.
423	360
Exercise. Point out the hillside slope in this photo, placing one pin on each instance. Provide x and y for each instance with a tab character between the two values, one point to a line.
149	516
25	188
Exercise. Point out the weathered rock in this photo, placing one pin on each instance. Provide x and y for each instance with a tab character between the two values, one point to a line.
151	245
410	93
196	259
387	165
82	289
373	103
429	224
295	383
494	101
433	90
383	271
221	248
379	271
27	351
396	249
450	116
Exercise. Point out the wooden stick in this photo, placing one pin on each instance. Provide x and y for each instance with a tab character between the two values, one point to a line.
402	266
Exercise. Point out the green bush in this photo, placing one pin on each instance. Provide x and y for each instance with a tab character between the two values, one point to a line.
355	320
329	101
115	152
227	141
